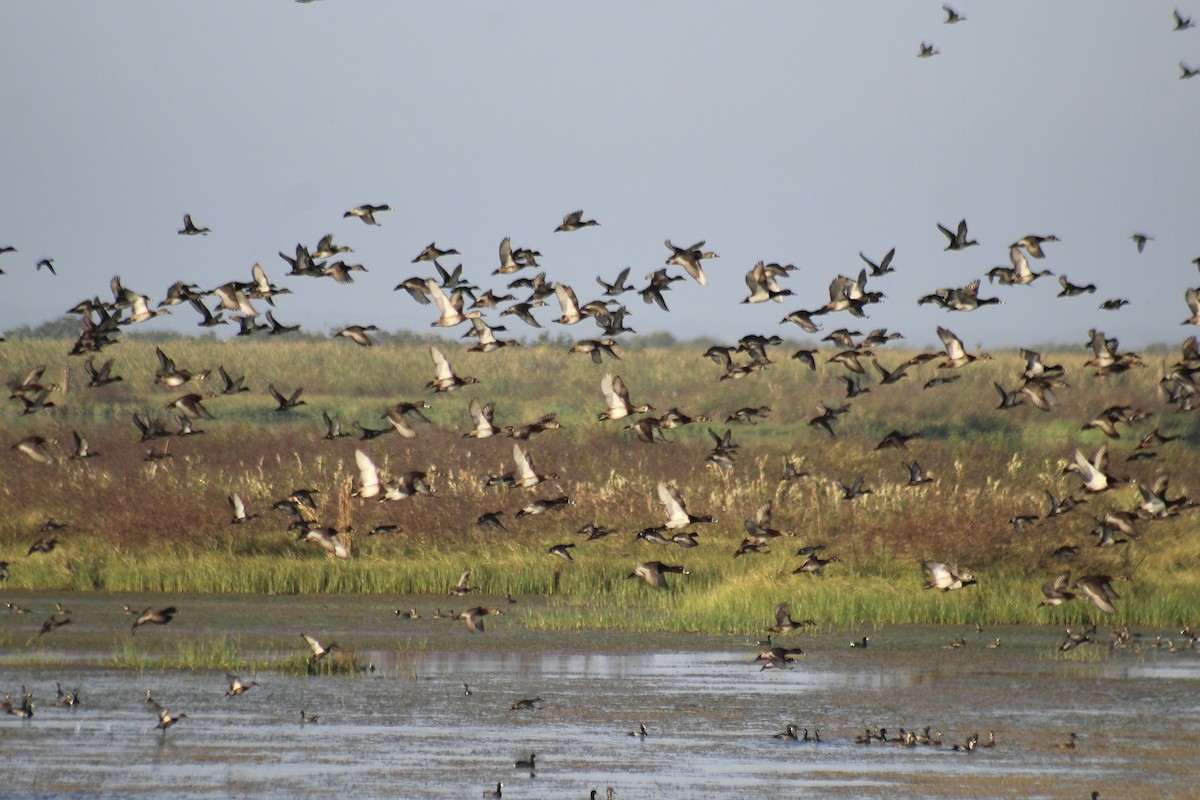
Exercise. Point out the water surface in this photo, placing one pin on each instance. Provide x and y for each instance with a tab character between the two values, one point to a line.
402	725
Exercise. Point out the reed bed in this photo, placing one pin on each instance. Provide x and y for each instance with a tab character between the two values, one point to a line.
164	525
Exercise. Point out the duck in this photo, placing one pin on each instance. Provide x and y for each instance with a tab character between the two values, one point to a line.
640	733
814	565
562	551
596	349
155	616
1098	590
490	520
473	617
481	417
574	221
618	286
166	719
238	506
928	50
956	355
444	378
616	397
101	376
523	764
450	308
1019	274
654	573
367	212
358	334
1033	244
784	621
1055	591
526	704
689	259
316	649
945	577
329	539
1072	290
952	16
525	475
461	587
497	793
1095	479
957	238
236	686
542	505
546	422
763	286
856	489
289	403
432	253
190	228
677	513
790	734
916	476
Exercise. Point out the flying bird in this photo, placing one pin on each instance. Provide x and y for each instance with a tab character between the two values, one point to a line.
153	616
367	212
190	228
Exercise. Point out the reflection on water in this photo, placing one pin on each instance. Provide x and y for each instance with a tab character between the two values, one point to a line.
405	727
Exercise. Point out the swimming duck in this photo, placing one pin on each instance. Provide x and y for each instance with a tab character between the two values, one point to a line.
523	764
497	793
790	734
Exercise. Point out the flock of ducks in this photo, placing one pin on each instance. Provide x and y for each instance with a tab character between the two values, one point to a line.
448	291
1181	23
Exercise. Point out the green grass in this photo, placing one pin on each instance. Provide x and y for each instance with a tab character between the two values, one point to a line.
139	526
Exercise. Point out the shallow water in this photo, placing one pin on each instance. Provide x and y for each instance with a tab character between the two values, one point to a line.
403	727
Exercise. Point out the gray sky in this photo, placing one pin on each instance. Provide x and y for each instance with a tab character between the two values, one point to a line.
797	132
